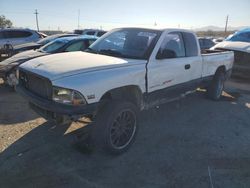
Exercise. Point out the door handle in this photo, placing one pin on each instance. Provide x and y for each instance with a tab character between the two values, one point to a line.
187	66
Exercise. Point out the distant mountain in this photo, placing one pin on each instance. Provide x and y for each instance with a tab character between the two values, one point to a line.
215	28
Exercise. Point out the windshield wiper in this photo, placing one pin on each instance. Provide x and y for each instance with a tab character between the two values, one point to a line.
111	52
90	50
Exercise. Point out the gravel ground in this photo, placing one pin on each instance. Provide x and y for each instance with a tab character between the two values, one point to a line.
192	143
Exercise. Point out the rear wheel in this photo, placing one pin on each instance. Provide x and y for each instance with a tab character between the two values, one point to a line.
116	127
216	87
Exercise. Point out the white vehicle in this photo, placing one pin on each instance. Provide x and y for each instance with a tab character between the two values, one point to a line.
17	36
239	43
125	71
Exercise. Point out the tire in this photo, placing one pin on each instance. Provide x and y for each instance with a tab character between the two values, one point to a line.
11	83
216	87
116	127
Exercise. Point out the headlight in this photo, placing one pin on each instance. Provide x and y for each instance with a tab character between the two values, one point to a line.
68	96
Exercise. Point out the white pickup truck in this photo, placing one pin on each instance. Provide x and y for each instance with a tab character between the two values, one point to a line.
127	70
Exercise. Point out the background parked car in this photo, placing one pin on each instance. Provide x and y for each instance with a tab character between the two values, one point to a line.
43	35
18	36
65	44
205	43
95	32
218	40
38	44
239	42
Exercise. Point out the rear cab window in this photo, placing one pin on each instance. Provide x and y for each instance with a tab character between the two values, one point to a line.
190	42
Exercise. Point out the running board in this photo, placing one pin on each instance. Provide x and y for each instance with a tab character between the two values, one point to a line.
163	101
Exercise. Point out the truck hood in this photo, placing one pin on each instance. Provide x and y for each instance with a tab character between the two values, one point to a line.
65	64
233	45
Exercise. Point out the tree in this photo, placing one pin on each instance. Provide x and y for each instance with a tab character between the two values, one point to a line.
5	22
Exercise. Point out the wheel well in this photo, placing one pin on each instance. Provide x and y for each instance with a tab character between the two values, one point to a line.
130	93
221	69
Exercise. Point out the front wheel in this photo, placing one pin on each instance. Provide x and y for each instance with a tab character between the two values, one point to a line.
216	87
116	127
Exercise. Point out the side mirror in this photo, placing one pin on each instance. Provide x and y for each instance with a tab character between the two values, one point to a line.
165	54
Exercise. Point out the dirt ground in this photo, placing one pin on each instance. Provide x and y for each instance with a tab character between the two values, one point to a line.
190	143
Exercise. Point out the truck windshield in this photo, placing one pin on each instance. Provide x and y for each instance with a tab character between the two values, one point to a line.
132	43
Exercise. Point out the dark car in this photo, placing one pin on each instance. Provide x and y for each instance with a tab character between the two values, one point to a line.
205	43
66	44
38	44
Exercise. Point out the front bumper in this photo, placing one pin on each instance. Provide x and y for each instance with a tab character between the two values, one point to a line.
5	72
49	109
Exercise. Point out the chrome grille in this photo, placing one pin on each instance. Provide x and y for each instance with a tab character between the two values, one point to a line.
36	84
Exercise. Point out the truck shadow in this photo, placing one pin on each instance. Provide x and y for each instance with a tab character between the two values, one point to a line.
13	108
176	144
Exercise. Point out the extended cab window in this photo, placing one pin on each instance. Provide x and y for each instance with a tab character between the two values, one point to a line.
173	45
190	44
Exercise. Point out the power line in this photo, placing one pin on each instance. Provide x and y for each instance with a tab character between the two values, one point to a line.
36	13
226	24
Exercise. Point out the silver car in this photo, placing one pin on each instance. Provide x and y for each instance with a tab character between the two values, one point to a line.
17	36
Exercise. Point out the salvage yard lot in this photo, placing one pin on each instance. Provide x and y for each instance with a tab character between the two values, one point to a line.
193	142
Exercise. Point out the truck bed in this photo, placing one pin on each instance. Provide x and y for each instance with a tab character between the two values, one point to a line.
214	58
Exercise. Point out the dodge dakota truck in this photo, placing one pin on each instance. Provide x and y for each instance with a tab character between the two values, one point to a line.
125	71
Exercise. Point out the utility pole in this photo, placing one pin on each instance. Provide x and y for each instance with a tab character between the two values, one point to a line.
78	26
226	24
36	13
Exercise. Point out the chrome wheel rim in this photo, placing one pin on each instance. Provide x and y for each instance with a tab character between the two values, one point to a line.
123	129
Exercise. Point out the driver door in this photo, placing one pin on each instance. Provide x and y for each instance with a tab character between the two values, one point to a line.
168	70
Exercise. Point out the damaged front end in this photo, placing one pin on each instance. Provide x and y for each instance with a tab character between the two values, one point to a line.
9	74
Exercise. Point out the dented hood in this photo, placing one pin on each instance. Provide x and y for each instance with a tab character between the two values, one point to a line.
60	65
233	45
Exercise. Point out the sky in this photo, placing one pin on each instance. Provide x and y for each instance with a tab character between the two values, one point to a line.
108	14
